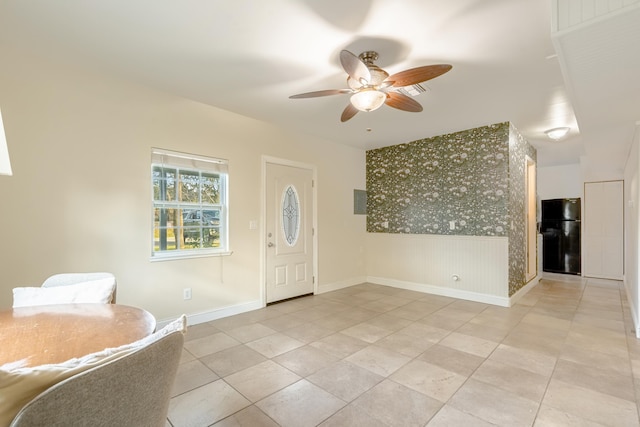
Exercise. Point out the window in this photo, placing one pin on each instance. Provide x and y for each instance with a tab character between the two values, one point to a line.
290	215
189	205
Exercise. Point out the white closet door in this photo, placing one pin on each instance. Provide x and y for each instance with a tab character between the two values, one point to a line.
603	225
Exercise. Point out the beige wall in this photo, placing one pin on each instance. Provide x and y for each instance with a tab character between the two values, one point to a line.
79	199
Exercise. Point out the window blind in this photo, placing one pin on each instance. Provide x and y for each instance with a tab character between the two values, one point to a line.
189	161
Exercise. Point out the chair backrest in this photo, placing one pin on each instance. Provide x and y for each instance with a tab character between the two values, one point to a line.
133	390
64	279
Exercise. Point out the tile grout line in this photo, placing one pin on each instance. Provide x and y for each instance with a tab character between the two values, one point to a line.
564	341
449	331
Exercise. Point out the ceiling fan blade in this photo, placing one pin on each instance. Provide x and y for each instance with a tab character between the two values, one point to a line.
320	93
418	75
403	102
356	69
348	113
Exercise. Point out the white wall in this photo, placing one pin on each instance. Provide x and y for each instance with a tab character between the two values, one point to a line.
559	182
632	230
80	196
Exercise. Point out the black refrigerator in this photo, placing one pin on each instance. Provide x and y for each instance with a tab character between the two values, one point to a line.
560	228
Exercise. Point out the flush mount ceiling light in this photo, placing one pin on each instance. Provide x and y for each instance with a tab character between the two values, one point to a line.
557	133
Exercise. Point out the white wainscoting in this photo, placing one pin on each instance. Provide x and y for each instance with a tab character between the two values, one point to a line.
428	263
572	13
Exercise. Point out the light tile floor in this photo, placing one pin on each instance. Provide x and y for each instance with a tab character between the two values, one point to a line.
372	355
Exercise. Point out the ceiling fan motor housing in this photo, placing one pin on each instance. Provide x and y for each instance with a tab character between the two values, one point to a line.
378	75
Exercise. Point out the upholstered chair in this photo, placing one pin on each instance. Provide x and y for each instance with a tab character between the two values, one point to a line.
131	390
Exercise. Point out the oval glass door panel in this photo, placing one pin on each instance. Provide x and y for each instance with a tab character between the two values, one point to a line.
290	215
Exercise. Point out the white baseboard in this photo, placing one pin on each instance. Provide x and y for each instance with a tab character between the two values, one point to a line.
340	285
523	290
208	316
439	290
633	308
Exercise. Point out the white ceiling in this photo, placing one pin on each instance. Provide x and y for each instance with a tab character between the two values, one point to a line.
248	56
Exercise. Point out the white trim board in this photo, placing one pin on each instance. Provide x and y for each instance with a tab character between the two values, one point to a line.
335	286
632	308
208	316
457	293
524	290
439	290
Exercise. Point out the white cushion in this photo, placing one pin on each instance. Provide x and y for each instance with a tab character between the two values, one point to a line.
18	386
65	279
96	291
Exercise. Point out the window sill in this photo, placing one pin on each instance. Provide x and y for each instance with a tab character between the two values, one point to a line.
175	256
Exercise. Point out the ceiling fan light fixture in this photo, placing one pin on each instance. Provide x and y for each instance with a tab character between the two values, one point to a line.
557	133
370	86
355	84
368	99
378	75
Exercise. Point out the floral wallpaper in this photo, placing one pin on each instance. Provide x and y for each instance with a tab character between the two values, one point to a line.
421	186
473	180
519	150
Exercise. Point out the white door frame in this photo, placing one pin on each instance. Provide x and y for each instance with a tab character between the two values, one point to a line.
263	217
531	219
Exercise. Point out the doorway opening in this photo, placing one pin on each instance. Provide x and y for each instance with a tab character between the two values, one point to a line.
531	219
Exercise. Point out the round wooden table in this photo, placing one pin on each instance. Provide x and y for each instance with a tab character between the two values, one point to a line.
39	335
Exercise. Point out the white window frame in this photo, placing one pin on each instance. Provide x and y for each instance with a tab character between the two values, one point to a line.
192	163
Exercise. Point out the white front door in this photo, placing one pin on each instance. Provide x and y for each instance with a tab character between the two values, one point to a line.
289	231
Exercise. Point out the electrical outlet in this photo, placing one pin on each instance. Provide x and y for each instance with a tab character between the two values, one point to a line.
186	293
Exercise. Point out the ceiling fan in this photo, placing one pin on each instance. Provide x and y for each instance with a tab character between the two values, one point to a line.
370	86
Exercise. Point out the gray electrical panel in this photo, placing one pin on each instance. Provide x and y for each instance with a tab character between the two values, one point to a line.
359	202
